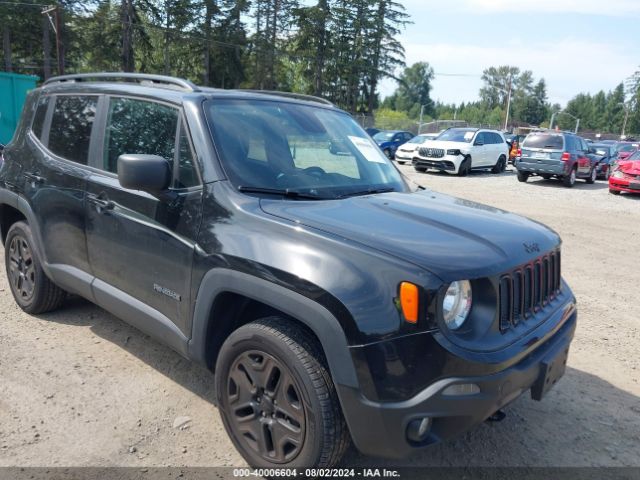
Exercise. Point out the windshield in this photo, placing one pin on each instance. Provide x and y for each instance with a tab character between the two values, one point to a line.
626	147
418	139
457	135
544	140
634	156
297	149
383	136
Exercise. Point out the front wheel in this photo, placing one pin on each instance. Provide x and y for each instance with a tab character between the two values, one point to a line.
31	288
276	398
387	152
465	167
400	162
614	192
500	166
592	176
420	169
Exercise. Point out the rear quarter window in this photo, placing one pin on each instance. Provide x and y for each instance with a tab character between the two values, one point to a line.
71	124
39	117
544	140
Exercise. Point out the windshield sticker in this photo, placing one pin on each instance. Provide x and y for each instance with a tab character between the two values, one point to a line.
468	136
368	150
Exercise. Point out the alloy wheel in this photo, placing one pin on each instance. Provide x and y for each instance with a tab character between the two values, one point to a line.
265	406
21	268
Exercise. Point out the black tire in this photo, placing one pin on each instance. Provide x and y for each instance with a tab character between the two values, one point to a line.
274	343
607	174
593	176
546	176
500	166
387	152
569	180
400	162
614	192
31	288
465	167
523	176
420	169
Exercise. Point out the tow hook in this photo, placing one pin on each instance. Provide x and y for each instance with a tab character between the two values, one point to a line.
497	416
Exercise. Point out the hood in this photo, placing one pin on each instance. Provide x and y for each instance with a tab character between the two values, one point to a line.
409	147
624	155
446	145
450	237
630	167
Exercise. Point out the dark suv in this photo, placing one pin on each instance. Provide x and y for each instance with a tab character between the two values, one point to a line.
551	153
266	236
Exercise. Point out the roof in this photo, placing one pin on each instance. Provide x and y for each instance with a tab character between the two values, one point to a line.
171	89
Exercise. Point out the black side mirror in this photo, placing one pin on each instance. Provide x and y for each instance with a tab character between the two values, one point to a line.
149	173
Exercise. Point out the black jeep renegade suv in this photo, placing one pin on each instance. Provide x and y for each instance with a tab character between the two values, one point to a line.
265	236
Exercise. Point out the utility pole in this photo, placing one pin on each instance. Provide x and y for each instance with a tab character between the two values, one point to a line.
55	9
506	118
420	124
624	123
577	125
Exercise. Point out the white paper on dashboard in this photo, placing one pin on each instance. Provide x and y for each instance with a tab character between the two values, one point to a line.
368	150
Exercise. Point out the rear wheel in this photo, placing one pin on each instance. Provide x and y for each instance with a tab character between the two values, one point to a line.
276	398
607	174
592	176
31	288
570	180
523	176
545	176
614	192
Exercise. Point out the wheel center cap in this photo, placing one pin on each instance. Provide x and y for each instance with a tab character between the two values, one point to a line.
267	405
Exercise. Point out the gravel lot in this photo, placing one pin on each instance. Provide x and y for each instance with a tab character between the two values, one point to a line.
81	388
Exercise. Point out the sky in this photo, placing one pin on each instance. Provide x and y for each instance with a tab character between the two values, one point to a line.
577	46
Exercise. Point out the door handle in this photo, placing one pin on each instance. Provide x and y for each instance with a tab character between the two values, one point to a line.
100	203
34	177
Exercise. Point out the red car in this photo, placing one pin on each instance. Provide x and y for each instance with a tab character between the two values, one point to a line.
626	175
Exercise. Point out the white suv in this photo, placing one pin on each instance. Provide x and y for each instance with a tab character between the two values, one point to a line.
459	150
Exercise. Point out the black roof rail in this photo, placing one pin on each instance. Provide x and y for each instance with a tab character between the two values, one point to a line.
158	80
298	96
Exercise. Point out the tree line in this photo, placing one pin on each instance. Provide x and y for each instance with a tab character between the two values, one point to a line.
337	49
606	112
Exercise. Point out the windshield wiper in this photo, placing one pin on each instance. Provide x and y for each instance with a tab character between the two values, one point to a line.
367	192
285	192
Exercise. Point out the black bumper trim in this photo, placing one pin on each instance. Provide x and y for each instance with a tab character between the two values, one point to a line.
379	428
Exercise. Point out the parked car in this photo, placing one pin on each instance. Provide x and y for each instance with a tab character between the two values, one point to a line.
405	153
460	150
626	176
624	149
603	154
372	131
390	140
265	236
550	153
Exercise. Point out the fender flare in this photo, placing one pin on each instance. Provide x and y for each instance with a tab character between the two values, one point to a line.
18	202
313	315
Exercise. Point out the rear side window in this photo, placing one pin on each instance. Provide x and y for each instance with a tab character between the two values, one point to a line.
39	117
138	126
544	140
71	125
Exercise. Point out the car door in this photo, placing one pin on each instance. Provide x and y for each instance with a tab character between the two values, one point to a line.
584	161
54	184
141	245
479	152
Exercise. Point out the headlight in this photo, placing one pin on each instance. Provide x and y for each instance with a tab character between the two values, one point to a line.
453	152
457	304
617	174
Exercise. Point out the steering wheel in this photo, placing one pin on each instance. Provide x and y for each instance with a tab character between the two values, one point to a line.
314	171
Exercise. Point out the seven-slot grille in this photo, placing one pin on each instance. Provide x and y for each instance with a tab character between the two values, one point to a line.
527	289
431	152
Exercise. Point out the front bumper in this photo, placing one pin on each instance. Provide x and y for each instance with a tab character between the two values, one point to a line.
403	156
380	428
624	185
448	163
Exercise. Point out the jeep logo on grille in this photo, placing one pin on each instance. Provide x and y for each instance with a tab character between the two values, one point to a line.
531	247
